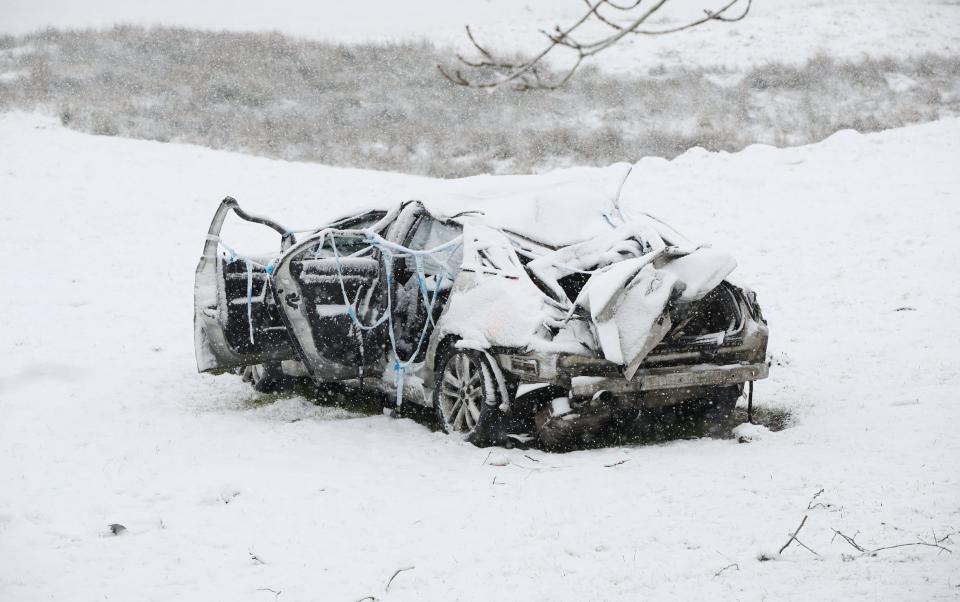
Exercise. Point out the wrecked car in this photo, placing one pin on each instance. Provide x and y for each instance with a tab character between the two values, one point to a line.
502	333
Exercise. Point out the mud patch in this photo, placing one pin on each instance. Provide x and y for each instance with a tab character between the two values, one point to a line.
332	400
294	409
675	423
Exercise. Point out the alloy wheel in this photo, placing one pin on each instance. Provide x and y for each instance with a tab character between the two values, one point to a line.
462	392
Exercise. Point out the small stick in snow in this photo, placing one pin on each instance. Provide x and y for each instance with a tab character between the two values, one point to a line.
276	593
484	463
937	543
394	576
616	463
254	558
813	504
371	598
794	538
530	458
729	566
849	540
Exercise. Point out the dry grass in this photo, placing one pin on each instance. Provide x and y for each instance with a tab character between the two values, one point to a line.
384	106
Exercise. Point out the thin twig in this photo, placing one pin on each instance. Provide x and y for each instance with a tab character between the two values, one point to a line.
793	538
805	547
616	463
394	576
937	543
794	535
813	504
915	543
276	593
729	566
849	540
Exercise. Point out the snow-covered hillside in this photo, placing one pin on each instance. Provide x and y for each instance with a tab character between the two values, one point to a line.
777	30
853	245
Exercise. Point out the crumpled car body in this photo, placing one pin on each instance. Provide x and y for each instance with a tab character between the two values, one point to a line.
500	332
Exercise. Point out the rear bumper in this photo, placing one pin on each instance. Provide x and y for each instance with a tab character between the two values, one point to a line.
672	377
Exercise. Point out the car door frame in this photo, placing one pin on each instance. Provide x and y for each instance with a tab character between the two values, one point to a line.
214	353
289	293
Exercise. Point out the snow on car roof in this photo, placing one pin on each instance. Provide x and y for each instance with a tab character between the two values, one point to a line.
557	208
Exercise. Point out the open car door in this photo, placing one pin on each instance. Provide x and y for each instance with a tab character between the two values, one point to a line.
319	283
333	294
236	319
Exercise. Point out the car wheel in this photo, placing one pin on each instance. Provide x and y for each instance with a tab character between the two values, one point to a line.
715	410
264	378
464	395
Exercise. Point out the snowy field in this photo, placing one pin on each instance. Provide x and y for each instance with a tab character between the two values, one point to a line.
853	245
776	30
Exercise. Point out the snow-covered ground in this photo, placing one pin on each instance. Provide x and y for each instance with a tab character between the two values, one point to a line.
782	30
853	245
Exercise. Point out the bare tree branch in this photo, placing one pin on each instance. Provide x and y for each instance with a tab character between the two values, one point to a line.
489	71
603	19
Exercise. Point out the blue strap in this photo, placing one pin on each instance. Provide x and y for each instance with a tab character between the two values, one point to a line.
389	252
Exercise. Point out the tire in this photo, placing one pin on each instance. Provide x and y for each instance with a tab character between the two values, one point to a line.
466	397
265	378
714	411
